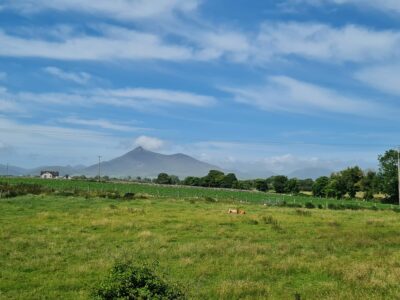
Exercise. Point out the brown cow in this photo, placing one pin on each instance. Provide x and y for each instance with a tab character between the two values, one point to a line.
236	211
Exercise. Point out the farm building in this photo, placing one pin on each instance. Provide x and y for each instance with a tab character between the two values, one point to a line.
49	174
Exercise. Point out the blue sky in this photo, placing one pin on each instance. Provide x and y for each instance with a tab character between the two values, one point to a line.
274	85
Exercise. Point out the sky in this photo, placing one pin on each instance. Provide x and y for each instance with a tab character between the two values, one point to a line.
272	85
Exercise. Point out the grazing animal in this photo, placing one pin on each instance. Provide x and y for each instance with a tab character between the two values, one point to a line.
236	211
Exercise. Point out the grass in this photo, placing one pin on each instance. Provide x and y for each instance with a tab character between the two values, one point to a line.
185	192
61	247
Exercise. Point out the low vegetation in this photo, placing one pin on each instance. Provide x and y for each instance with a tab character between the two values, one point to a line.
58	247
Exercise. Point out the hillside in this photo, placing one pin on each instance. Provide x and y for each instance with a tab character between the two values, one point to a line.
144	163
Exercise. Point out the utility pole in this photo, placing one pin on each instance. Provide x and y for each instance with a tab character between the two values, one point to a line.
398	170
99	168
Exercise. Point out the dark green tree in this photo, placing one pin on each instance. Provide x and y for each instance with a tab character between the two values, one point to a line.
388	175
306	185
292	186
351	179
163	178
369	185
279	183
213	179
229	181
319	187
261	185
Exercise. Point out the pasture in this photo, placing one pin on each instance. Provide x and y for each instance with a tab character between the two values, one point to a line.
186	192
61	247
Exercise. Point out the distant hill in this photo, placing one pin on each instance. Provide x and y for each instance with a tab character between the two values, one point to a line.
144	163
313	173
12	170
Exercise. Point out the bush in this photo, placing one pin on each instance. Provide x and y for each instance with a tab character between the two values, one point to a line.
127	281
210	199
310	205
129	196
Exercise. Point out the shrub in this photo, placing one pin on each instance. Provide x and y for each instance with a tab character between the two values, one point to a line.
320	206
396	209
310	205
210	199
129	196
127	281
294	205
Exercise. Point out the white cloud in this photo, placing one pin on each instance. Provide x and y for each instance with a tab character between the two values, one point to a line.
384	5
155	96
385	78
110	43
149	143
134	98
7	103
286	94
100	123
79	78
322	42
116	9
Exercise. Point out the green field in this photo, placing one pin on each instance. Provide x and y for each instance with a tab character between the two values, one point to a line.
62	247
185	192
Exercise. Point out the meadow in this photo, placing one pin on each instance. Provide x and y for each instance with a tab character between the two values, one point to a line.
185	192
54	247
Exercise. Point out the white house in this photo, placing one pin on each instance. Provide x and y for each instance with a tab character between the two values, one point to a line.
49	174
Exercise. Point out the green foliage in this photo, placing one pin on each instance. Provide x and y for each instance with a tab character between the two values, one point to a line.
131	282
292	186
229	181
309	205
261	185
163	178
279	183
305	185
320	186
388	173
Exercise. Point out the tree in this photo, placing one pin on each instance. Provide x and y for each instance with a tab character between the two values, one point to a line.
292	186
369	185
306	184
213	179
279	183
388	174
163	178
174	179
319	186
351	179
261	185
229	181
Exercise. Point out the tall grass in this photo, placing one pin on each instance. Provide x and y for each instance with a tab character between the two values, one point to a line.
63	247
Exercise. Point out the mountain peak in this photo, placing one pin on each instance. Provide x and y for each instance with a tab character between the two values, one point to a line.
139	149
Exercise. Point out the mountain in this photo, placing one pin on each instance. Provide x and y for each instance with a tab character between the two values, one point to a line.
313	173
12	170
144	163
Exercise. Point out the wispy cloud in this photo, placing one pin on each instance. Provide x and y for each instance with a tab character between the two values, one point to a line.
281	93
385	78
79	78
110	43
317	41
384	5
140	99
116	9
101	123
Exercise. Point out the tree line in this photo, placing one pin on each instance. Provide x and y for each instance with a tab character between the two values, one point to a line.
342	184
